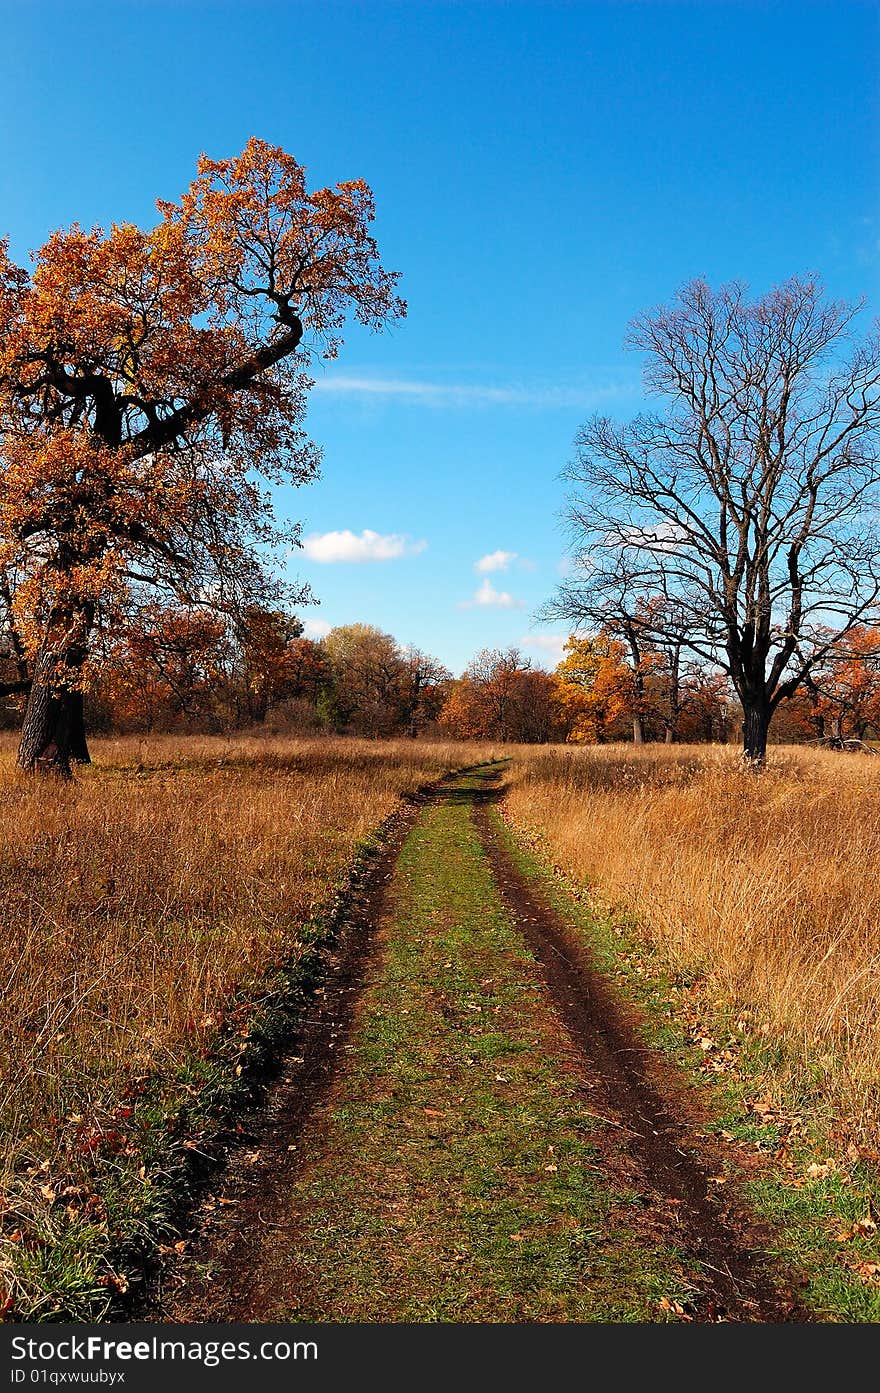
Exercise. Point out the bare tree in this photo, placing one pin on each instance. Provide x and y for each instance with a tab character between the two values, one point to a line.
748	506
494	675
423	684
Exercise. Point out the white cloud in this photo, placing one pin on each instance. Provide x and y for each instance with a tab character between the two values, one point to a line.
549	645
494	561
327	547
316	628
445	394
502	561
486	595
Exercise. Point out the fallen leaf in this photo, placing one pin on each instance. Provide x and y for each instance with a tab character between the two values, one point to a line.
674	1307
857	1230
819	1171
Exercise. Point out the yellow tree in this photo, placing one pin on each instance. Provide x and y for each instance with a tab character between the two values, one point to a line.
594	687
152	384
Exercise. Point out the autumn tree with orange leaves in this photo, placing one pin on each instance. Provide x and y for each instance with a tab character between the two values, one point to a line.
845	692
500	696
271	663
174	667
152	384
167	663
595	688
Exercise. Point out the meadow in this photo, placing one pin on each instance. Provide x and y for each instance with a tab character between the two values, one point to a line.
151	907
144	907
764	890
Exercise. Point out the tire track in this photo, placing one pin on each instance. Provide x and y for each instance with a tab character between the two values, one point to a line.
721	1239
244	1241
221	1276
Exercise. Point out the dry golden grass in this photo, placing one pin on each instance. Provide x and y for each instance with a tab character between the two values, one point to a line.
136	901
767	886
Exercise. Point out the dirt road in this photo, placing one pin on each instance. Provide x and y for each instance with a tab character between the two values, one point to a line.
471	1127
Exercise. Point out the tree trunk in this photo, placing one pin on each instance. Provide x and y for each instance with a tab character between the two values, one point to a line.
756	724
79	745
53	732
638	734
674	695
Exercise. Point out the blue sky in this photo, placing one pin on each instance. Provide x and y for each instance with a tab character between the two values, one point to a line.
542	173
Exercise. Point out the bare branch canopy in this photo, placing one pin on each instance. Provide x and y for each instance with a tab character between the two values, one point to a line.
741	518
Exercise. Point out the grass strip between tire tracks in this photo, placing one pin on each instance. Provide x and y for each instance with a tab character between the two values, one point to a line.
455	1174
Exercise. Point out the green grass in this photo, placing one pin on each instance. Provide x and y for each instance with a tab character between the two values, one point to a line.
457	1175
808	1211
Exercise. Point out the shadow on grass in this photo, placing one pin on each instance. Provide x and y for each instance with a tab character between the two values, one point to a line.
483	786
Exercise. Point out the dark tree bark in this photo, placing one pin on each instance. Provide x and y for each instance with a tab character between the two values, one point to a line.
79	745
49	723
674	656
756	724
53	732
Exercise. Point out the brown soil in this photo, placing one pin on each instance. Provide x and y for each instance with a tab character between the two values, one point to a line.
218	1278
223	1276
645	1100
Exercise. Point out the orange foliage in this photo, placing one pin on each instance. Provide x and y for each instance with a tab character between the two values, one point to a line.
594	688
168	662
150	378
461	715
500	697
847	690
176	666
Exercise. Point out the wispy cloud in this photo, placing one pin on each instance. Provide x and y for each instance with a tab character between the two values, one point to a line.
549	645
502	561
464	394
494	561
316	628
328	547
487	596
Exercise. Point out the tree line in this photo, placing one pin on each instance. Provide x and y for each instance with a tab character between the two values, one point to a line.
189	671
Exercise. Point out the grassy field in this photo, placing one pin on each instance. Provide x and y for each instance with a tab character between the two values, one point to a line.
144	908
765	890
156	910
